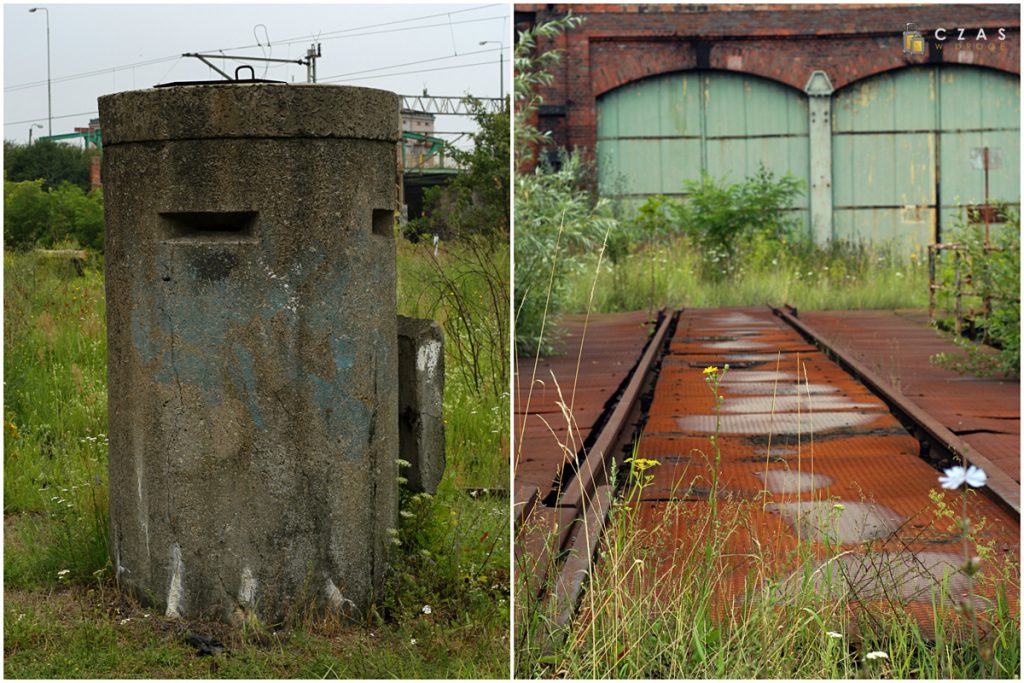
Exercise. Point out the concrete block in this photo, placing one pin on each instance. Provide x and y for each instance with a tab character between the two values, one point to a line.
252	346
420	395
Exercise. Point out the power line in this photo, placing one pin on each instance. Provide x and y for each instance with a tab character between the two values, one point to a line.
323	36
418	71
419	61
43	118
336	34
86	74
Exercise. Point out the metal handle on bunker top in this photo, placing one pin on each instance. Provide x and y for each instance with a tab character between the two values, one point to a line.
252	72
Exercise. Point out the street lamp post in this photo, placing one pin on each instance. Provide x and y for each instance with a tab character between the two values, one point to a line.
501	63
49	98
34	125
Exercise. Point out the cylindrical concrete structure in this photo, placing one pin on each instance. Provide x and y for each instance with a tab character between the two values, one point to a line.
252	345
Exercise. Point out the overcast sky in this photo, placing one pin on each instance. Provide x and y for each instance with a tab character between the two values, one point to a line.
100	49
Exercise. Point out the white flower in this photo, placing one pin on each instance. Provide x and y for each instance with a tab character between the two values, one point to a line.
954	477
877	654
62	573
426	609
125	620
833	634
412	641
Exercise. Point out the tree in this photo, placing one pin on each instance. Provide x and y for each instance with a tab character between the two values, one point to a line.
34	216
51	162
476	201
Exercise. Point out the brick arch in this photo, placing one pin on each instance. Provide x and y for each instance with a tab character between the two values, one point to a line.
613	65
891	69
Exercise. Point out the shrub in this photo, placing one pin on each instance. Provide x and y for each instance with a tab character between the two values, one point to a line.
36	216
993	275
52	162
720	218
557	223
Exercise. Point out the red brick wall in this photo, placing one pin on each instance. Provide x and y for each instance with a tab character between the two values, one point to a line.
617	44
95	177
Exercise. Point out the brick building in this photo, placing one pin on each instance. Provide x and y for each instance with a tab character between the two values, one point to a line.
881	127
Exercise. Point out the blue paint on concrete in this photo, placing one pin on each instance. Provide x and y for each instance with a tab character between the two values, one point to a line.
243	376
223	334
344	353
142	337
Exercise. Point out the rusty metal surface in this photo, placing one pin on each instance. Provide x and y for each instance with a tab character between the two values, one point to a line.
835	470
556	406
569	397
593	470
898	345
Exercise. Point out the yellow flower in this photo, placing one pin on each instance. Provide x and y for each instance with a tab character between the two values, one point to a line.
710	370
642	464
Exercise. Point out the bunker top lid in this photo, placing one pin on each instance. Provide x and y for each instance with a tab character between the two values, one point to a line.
249	109
224	81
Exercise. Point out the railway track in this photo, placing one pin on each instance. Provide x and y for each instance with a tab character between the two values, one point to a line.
811	446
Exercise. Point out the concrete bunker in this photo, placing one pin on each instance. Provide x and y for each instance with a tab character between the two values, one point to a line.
253	347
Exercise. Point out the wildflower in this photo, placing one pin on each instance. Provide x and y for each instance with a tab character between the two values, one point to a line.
412	641
62	573
426	609
642	464
972	566
125	620
710	370
877	654
833	634
839	506
955	476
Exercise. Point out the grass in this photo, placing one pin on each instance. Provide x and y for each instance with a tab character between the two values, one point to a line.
645	614
839	278
63	616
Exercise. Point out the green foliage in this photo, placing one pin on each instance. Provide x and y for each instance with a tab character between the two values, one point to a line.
532	70
721	217
63	215
464	286
464	282
812	277
991	274
476	201
52	162
55	409
558	223
26	213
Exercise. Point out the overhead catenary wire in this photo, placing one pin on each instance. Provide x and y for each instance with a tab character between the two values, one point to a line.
334	79
405	73
43	118
348	32
331	35
413	63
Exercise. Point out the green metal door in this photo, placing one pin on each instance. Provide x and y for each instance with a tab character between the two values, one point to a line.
656	133
900	150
